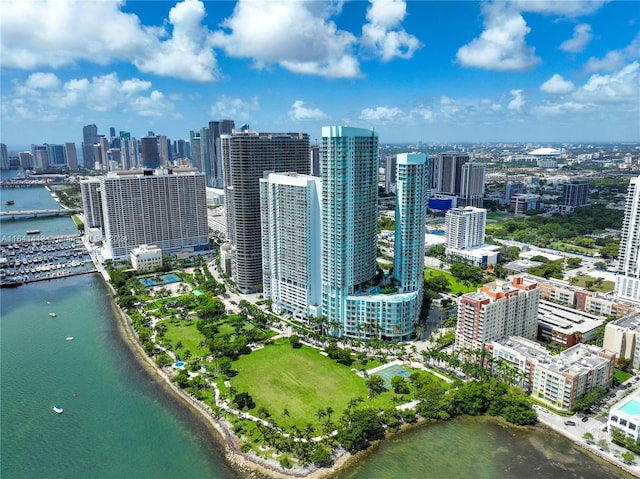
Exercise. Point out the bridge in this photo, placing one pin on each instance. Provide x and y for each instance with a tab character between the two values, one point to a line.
36	213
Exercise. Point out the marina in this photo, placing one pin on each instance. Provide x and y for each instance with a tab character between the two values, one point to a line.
40	259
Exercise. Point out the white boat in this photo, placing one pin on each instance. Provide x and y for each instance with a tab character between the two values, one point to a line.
69	338
58	409
53	315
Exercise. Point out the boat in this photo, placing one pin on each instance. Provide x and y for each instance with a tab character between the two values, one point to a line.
69	338
10	202
10	284
58	409
33	232
53	315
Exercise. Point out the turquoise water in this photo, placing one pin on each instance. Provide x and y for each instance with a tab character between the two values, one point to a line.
632	407
117	422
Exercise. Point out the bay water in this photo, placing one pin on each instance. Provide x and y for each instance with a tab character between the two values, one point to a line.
119	422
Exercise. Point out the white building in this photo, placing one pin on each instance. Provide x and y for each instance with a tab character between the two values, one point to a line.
166	208
146	258
472	184
628	280
465	237
290	217
625	416
623	338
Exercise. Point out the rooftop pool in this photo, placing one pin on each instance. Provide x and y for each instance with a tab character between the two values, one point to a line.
631	407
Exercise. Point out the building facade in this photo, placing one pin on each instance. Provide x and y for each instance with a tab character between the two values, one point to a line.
246	156
575	194
165	208
89	138
555	380
472	184
465	227
146	258
622	337
447	172
499	309
290	216
628	278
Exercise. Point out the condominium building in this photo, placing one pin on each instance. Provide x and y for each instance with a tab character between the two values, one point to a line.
164	208
91	203
472	184
625	416
150	152
447	172
622	337
360	302
290	216
499	309
247	156
71	155
89	138
4	157
146	258
628	279
465	227
521	203
555	380
575	195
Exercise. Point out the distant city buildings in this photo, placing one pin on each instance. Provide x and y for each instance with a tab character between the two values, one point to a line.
4	157
89	138
628	278
522	203
499	309
246	157
575	194
472	184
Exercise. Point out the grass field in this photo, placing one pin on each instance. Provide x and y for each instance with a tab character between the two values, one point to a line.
621	376
302	381
454	287
605	287
188	334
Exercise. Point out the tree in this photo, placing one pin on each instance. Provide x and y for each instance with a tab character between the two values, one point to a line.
359	428
399	385
244	400
294	339
587	436
628	457
375	385
574	262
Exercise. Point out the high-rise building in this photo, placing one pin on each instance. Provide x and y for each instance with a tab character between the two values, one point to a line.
196	155
628	277
89	138
4	157
164	208
575	194
499	309
472	185
356	301
447	173
465	227
112	132
246	156
40	158
390	173
511	189
91	203
412	198
216	130
163	150
55	155
71	155
26	160
314	158
129	152
290	216
149	152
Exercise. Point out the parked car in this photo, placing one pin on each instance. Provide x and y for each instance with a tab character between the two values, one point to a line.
585	419
569	423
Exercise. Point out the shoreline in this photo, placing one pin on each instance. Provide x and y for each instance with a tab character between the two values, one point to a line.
245	464
249	465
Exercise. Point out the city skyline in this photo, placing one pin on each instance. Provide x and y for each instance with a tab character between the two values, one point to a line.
414	71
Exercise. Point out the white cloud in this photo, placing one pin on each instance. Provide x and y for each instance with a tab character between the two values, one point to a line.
54	33
300	111
615	59
383	34
236	108
618	87
423	113
581	37
298	36
557	85
568	8
44	97
381	113
501	46
517	100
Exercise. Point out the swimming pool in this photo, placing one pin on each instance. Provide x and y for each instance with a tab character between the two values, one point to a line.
632	407
179	364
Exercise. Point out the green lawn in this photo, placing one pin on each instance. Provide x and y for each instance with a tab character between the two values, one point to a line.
454	286
581	281
302	381
621	376
186	332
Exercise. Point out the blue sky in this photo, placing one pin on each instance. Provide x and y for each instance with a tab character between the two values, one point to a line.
434	71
